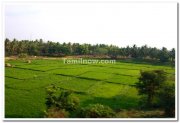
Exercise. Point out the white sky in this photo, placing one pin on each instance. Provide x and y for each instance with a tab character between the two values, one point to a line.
121	24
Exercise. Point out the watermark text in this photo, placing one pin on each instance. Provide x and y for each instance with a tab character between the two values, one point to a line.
88	61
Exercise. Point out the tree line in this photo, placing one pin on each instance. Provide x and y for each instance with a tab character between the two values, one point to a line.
49	48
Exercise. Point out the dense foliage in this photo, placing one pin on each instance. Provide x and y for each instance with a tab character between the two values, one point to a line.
149	83
166	97
59	103
61	99
158	91
41	48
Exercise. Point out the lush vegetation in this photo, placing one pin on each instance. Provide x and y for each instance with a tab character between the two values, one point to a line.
108	88
40	48
166	96
140	84
149	83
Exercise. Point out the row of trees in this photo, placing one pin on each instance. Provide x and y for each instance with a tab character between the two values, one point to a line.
41	48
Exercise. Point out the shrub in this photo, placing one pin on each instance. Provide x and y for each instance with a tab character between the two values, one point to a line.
72	103
22	55
61	99
56	113
96	111
66	101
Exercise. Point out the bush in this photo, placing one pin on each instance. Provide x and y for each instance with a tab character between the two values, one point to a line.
96	111
22	55
56	113
72	103
66	101
61	99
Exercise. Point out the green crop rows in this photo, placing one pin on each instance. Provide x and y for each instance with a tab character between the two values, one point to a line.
108	84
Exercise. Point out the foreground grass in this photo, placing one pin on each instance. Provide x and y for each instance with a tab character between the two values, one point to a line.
107	84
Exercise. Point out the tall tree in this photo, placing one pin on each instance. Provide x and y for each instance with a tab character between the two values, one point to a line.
7	47
113	52
172	55
163	55
153	53
143	51
134	51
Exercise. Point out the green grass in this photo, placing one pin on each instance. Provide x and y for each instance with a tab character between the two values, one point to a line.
108	84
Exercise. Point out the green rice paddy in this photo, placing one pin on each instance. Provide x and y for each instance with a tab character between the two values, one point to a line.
107	84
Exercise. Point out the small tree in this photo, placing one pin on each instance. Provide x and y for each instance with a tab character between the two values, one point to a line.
149	83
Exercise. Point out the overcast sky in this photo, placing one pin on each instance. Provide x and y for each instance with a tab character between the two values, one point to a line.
121	24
